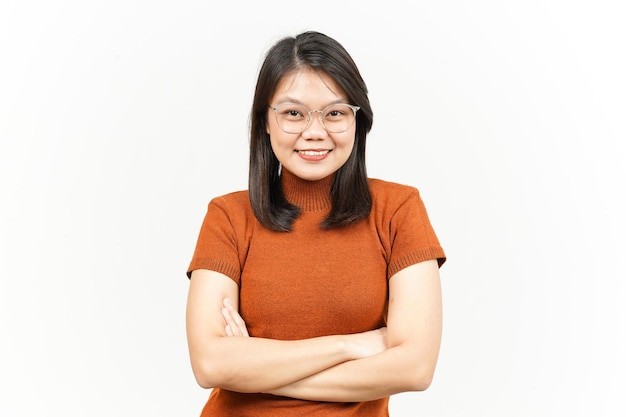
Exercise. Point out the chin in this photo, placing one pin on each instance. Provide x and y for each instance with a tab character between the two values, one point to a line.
312	176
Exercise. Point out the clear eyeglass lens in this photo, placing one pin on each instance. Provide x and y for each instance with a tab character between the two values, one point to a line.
294	118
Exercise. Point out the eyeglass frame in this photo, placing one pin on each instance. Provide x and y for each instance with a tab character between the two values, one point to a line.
309	118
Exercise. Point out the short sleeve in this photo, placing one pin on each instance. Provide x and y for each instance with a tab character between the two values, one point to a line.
216	249
413	239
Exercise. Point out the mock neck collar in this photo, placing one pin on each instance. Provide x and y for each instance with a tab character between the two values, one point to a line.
307	195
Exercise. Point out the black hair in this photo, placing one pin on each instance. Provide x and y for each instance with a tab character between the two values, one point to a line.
350	194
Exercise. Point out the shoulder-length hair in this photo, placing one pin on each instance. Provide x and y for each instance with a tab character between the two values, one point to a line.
350	194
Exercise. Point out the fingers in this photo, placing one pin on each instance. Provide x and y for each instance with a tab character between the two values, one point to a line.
235	326
231	326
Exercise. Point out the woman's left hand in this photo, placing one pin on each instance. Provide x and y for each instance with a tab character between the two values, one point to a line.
235	326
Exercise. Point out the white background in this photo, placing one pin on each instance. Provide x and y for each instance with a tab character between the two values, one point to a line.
120	120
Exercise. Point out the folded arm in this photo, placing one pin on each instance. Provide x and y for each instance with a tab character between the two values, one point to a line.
250	364
414	335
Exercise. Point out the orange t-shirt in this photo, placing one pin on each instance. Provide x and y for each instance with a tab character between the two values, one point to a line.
325	281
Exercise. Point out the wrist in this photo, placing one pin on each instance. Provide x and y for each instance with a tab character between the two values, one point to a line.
348	349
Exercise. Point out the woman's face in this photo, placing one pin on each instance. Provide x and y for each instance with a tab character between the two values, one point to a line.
314	153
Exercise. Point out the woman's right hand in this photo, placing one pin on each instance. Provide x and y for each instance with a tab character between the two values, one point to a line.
235	325
359	345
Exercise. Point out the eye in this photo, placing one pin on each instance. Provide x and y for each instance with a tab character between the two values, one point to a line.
335	113
292	112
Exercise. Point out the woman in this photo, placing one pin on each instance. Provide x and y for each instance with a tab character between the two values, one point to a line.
316	292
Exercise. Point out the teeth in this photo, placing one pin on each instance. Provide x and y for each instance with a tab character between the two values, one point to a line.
313	153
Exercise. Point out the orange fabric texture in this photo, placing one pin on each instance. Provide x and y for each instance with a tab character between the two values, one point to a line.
312	282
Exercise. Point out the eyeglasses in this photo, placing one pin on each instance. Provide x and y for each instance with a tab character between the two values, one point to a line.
296	118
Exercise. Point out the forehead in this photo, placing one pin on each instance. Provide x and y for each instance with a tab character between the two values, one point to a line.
307	83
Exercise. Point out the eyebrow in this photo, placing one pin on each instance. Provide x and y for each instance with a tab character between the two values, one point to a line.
288	99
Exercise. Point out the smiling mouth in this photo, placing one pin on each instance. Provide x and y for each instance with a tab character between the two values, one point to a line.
314	153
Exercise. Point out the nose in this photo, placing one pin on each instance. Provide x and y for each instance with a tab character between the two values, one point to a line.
315	130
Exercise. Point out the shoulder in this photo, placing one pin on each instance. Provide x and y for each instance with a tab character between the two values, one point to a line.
387	192
234	199
234	204
403	226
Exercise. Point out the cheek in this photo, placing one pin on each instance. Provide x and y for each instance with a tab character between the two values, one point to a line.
347	143
350	148
278	143
272	129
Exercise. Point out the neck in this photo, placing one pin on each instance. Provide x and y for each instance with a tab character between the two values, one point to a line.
307	195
